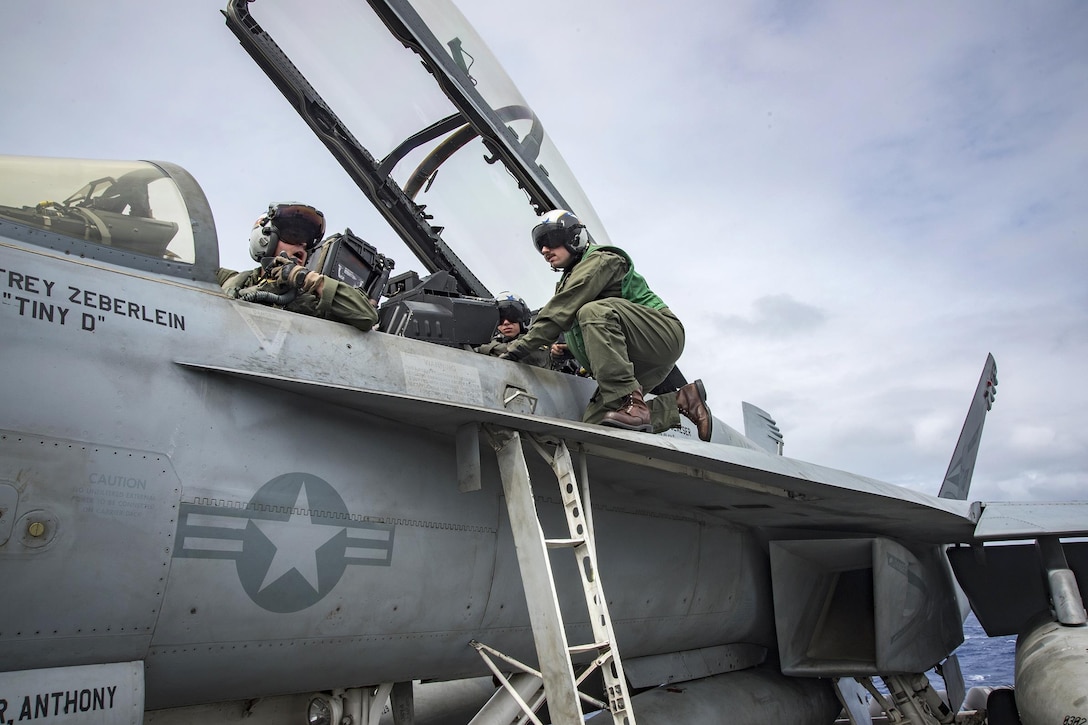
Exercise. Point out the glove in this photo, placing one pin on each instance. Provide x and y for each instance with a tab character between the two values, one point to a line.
291	274
514	354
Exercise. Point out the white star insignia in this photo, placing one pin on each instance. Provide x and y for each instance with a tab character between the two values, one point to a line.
296	540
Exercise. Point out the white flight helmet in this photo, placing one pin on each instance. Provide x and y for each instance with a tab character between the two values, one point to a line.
561	228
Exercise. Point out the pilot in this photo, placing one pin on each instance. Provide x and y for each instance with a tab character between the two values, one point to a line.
282	240
617	329
514	319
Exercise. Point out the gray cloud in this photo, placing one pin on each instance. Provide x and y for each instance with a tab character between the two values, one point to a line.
774	316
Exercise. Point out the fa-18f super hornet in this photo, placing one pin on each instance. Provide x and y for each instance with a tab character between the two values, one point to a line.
215	510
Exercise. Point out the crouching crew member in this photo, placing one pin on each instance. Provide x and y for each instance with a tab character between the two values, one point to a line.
617	329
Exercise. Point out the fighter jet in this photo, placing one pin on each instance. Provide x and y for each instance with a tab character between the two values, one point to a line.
216	510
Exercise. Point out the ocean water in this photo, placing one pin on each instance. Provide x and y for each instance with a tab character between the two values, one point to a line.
985	661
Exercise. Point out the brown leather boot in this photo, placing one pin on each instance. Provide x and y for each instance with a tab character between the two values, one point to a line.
633	415
691	400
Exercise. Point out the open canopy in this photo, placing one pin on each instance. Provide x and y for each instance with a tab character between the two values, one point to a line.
447	149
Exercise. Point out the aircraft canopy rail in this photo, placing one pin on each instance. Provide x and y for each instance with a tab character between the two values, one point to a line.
146	215
464	163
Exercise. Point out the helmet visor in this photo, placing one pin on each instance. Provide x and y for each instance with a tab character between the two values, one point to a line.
551	236
509	313
299	224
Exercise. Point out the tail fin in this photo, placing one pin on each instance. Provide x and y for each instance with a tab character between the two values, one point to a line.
957	481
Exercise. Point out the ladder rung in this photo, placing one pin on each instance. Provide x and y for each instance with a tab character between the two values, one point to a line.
564	543
540	589
578	648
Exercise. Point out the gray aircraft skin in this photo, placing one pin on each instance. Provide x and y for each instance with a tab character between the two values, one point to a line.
213	503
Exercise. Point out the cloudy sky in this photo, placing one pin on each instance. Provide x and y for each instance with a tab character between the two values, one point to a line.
848	204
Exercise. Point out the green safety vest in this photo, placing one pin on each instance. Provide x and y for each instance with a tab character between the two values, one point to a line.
633	288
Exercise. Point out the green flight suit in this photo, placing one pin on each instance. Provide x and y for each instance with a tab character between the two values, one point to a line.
541	358
338	302
625	344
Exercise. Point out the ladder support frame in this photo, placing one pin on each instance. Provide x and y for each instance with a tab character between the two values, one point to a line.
545	614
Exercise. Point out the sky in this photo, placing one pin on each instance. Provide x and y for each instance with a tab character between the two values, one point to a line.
848	204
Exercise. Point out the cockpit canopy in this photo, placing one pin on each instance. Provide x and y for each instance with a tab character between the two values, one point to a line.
142	214
447	149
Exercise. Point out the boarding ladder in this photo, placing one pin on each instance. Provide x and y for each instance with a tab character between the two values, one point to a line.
555	654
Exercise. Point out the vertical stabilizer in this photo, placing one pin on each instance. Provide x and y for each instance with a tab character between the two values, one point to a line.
957	481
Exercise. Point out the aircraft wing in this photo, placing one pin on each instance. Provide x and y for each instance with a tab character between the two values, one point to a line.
1007	520
748	487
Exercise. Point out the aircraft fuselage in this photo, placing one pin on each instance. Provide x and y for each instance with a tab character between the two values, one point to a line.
243	540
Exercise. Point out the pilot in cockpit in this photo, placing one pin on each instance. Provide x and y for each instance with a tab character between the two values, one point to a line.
282	240
514	319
